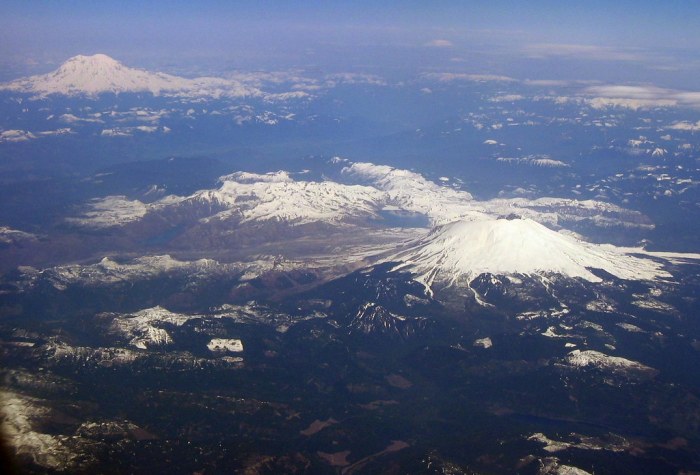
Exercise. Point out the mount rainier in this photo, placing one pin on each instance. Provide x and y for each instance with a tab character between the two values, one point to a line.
98	74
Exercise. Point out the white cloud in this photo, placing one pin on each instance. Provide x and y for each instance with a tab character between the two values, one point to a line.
450	77
333	80
16	136
627	103
558	82
72	119
639	97
690	98
13	236
630	92
129	131
439	43
628	97
507	98
546	82
534	160
61	131
685	125
591	52
25	135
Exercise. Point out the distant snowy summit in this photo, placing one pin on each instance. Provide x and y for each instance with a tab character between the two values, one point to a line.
99	74
459	252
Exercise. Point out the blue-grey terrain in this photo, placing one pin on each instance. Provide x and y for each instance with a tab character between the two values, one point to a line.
309	272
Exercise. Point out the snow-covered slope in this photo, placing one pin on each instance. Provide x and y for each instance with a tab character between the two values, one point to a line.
366	192
108	271
142	328
148	328
441	204
9	236
410	191
110	211
613	364
98	74
460	251
277	197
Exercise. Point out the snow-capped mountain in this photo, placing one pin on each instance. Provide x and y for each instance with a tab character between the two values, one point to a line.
99	73
460	251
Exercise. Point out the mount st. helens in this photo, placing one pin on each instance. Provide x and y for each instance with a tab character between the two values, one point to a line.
294	231
462	250
184	332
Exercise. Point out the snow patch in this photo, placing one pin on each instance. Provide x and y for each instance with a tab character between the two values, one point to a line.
16	136
14	236
142	330
483	343
230	345
410	191
613	364
110	211
276	197
21	419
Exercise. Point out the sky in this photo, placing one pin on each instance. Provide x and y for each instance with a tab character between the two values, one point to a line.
622	40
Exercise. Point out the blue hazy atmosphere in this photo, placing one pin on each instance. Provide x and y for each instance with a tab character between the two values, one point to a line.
641	41
321	237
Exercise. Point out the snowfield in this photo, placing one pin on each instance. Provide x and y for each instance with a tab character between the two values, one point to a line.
110	211
276	197
230	345
613	364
